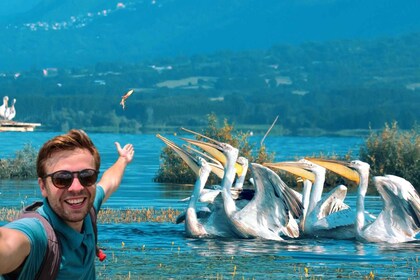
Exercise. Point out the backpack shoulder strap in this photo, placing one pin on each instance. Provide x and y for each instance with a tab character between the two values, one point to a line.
52	258
93	216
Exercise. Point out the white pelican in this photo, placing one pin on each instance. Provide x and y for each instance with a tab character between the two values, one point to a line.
398	220
205	223
3	108
326	216
401	210
193	227
11	111
267	214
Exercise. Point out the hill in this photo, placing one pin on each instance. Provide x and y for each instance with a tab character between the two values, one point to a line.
68	33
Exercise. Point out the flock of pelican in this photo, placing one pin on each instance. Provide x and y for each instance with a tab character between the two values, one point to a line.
272	210
7	112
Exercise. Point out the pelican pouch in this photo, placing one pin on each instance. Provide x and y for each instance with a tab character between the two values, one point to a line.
52	259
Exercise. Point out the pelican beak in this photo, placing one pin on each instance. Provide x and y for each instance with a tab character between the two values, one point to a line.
214	151
339	167
210	148
216	166
190	160
294	167
217	169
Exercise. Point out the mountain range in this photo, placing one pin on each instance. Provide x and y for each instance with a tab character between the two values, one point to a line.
70	33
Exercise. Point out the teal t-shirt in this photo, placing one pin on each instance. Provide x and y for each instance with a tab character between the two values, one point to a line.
78	250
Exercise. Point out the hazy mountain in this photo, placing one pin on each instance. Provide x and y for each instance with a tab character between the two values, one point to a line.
72	33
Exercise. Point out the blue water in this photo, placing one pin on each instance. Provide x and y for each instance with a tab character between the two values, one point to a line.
161	250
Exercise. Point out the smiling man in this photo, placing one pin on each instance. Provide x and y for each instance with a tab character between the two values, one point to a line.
67	167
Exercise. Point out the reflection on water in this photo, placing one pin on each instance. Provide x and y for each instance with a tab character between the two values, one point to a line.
162	251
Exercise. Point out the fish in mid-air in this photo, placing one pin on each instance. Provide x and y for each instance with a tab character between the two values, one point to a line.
125	96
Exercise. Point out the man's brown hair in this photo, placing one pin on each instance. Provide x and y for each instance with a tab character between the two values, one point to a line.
74	139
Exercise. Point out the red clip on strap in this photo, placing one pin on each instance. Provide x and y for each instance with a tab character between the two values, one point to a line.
101	255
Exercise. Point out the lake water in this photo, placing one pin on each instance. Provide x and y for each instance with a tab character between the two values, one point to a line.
161	250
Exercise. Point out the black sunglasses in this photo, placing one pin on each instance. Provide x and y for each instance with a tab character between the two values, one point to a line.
63	179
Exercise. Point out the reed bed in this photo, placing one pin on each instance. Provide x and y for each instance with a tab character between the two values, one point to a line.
108	216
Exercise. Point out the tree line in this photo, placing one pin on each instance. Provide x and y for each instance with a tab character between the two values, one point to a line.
313	87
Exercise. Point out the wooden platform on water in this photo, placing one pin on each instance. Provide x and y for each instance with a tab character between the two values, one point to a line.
17	126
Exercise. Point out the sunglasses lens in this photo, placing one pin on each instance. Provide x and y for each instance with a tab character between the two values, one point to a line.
62	179
88	177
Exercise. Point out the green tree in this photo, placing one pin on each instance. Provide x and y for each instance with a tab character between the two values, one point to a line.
393	152
174	170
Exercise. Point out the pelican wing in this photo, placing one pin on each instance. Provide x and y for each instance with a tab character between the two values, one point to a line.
338	219
268	212
401	203
209	195
333	201
293	198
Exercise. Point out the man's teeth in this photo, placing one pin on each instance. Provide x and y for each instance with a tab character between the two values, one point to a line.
75	201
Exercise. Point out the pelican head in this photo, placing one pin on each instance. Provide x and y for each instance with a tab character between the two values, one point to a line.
308	165
205	168
359	165
244	163
5	100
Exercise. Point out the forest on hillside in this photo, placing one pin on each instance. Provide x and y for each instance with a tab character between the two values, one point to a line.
313	88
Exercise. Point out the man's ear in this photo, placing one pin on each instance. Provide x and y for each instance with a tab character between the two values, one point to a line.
42	187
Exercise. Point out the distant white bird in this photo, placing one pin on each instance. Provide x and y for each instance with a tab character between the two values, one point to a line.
11	111
3	108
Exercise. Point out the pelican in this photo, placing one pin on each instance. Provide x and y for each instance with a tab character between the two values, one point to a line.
124	97
399	219
3	108
400	214
11	111
267	214
193	227
326	216
204	223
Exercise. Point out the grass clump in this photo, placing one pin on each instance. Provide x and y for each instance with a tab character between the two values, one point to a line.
394	152
113	216
23	166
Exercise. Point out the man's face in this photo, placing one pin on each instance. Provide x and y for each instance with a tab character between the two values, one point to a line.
71	204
